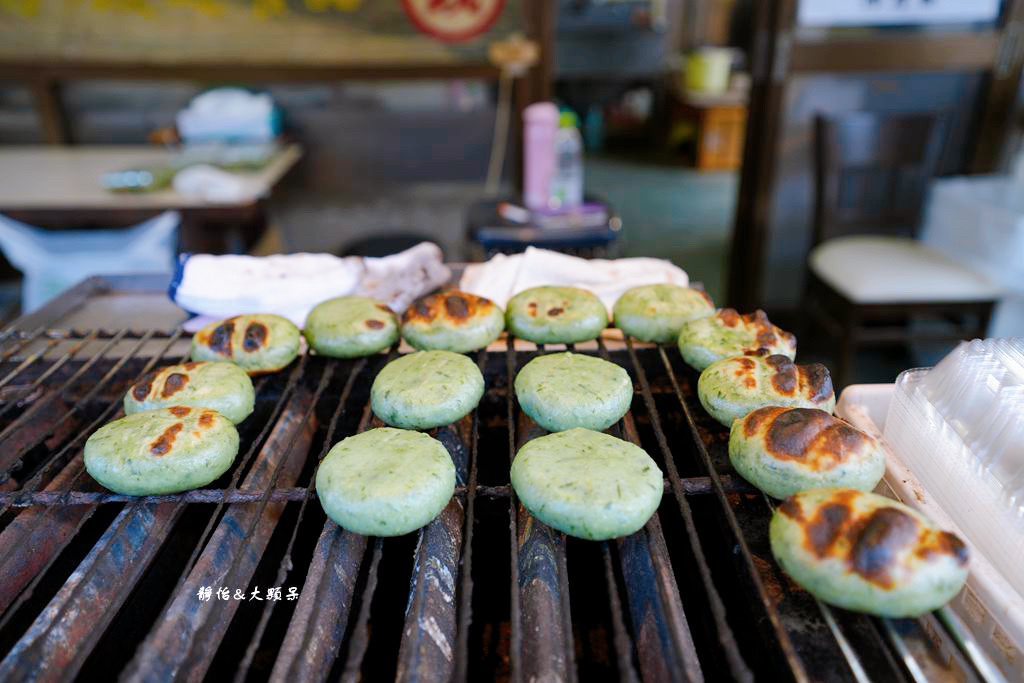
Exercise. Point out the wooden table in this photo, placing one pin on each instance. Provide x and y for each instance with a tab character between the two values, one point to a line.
61	187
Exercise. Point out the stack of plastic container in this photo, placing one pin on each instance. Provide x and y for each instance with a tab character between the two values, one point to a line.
960	428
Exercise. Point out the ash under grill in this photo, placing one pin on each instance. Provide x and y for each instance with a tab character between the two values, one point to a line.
93	583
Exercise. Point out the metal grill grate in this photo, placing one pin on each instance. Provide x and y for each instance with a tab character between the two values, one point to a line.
94	581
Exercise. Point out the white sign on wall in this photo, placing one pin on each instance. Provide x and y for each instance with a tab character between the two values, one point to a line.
895	12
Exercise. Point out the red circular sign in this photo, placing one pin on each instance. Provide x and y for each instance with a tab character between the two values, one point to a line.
453	21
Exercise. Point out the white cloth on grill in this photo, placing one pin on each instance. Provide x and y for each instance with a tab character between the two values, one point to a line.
504	276
290	285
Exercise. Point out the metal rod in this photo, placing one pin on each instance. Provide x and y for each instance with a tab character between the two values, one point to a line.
27	362
623	647
188	632
465	608
737	666
314	634
515	616
286	564
360	634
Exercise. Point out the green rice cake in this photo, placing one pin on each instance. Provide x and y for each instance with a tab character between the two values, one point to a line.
587	484
727	334
867	553
162	451
256	343
565	390
452	321
223	387
426	389
656	313
730	389
350	327
385	482
556	315
783	451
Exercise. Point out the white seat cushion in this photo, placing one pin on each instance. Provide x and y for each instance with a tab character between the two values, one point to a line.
869	269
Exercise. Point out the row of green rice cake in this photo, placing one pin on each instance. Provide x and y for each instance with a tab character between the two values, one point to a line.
831	533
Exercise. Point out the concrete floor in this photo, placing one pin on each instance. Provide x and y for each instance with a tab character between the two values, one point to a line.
667	211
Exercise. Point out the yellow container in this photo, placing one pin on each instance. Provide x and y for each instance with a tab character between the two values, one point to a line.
707	70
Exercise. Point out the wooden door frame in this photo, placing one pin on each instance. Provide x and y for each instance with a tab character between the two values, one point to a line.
776	54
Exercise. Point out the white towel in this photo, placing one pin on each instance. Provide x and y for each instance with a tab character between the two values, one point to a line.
504	276
290	285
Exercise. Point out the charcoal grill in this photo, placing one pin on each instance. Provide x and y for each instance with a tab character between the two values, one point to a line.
98	584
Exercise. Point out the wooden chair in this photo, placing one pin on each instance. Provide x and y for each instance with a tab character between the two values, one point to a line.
867	277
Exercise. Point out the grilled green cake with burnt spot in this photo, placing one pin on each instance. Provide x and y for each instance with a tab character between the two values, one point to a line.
783	451
727	334
452	321
350	327
161	451
867	553
556	315
730	389
256	343
223	387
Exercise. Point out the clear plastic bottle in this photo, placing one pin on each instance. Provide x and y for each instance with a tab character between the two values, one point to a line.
567	183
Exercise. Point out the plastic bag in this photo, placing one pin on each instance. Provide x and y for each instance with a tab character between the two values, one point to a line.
54	260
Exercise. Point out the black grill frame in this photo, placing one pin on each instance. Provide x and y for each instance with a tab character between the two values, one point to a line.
751	621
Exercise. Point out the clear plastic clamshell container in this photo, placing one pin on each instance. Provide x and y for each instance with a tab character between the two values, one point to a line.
960	427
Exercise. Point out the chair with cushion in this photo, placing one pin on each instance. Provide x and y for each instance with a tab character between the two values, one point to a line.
867	276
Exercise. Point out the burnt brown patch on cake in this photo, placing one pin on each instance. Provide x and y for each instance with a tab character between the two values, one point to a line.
753	421
180	411
826	527
141	390
836	443
192	365
206	419
791	508
817	380
374	324
938	543
424	309
786	378
531	308
876	544
556	311
174	383
812	436
729	317
793	431
220	338
457	307
163	445
255	337
384	307
745	371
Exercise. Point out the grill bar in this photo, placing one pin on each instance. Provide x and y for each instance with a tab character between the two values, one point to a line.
429	633
466	587
31	562
360	634
737	666
664	643
188	636
286	565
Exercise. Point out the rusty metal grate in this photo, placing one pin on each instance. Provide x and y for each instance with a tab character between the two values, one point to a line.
93	582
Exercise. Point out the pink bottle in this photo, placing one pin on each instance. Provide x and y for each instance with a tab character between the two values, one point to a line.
540	124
